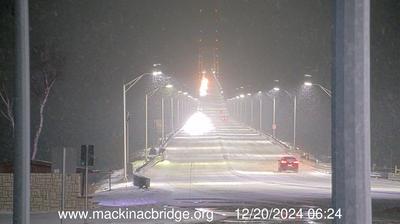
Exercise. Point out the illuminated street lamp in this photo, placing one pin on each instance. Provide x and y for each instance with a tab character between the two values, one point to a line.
309	83
156	73
276	85
125	88
275	89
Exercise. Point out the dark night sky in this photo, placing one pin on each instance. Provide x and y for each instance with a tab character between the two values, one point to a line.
260	40
108	42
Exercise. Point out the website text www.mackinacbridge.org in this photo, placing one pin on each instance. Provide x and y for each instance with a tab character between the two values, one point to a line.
172	214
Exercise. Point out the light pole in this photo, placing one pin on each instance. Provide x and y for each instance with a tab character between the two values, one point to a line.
21	186
251	110
292	96
172	114
178	112
128	118
162	121
273	118
261	109
172	125
294	120
237	108
242	109
233	107
146	145
125	88
147	117
168	86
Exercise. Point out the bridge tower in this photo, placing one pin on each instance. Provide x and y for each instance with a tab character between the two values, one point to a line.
208	42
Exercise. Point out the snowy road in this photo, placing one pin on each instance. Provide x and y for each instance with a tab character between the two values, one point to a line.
233	167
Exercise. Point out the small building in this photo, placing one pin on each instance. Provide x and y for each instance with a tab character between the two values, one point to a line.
37	166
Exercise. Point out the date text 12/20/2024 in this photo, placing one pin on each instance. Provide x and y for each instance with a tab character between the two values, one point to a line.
287	213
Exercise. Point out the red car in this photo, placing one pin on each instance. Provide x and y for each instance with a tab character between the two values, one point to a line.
288	163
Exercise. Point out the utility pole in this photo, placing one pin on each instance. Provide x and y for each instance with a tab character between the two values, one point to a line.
351	189
22	162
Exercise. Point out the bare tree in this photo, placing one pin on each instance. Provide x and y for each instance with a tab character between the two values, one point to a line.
7	108
42	82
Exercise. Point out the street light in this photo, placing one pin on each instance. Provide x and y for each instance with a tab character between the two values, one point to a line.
276	85
275	89
156	73
125	88
308	83
293	96
169	86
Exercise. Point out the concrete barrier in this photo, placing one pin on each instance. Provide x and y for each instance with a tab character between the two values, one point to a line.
141	181
394	176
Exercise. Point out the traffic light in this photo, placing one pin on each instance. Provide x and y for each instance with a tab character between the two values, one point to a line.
83	155
91	155
87	155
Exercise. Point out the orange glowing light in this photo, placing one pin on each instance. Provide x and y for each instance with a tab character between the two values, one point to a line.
203	86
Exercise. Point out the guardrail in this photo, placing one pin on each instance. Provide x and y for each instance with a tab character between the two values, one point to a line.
139	179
